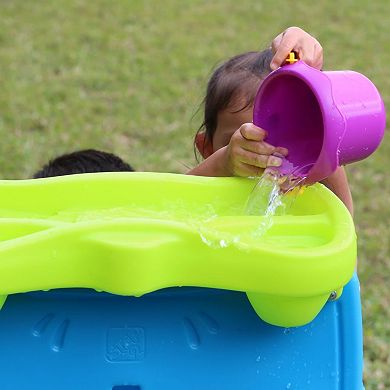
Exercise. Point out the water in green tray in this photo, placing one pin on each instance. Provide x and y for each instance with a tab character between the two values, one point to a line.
267	200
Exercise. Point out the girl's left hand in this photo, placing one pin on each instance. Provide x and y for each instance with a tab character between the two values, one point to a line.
295	39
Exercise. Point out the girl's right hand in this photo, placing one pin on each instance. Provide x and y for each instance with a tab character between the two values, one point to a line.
295	39
247	154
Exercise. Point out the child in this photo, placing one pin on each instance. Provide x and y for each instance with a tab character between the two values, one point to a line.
84	161
227	139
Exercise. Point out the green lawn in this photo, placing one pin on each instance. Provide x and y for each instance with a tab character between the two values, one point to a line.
128	77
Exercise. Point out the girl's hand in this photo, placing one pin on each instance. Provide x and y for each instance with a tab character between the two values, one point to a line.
248	155
295	39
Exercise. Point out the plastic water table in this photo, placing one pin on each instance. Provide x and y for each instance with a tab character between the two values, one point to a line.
130	281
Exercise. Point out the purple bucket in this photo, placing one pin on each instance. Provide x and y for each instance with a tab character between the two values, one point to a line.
324	119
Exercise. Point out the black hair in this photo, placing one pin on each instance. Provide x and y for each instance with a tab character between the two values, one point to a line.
83	161
240	76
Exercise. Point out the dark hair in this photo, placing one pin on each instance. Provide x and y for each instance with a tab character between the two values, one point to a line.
84	161
239	76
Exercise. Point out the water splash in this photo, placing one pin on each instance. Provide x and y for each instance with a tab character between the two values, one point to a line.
264	200
268	198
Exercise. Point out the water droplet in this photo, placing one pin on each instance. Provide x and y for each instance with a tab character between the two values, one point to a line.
223	244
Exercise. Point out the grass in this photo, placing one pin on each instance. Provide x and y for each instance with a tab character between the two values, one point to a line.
128	77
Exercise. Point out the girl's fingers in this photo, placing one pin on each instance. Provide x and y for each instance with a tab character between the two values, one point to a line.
282	48
281	150
311	52
251	132
263	148
276	42
318	56
245	170
259	160
306	53
259	147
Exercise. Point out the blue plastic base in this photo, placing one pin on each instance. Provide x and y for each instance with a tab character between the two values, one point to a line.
176	339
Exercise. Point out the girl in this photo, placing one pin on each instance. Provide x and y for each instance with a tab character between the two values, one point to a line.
227	139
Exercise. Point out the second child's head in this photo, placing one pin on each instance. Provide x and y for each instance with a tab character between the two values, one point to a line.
229	99
83	161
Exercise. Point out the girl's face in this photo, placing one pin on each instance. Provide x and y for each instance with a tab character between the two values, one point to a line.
229	120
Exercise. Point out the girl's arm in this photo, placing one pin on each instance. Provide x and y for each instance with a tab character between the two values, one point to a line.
337	182
214	165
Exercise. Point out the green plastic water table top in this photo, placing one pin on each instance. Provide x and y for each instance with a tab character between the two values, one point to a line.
133	233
